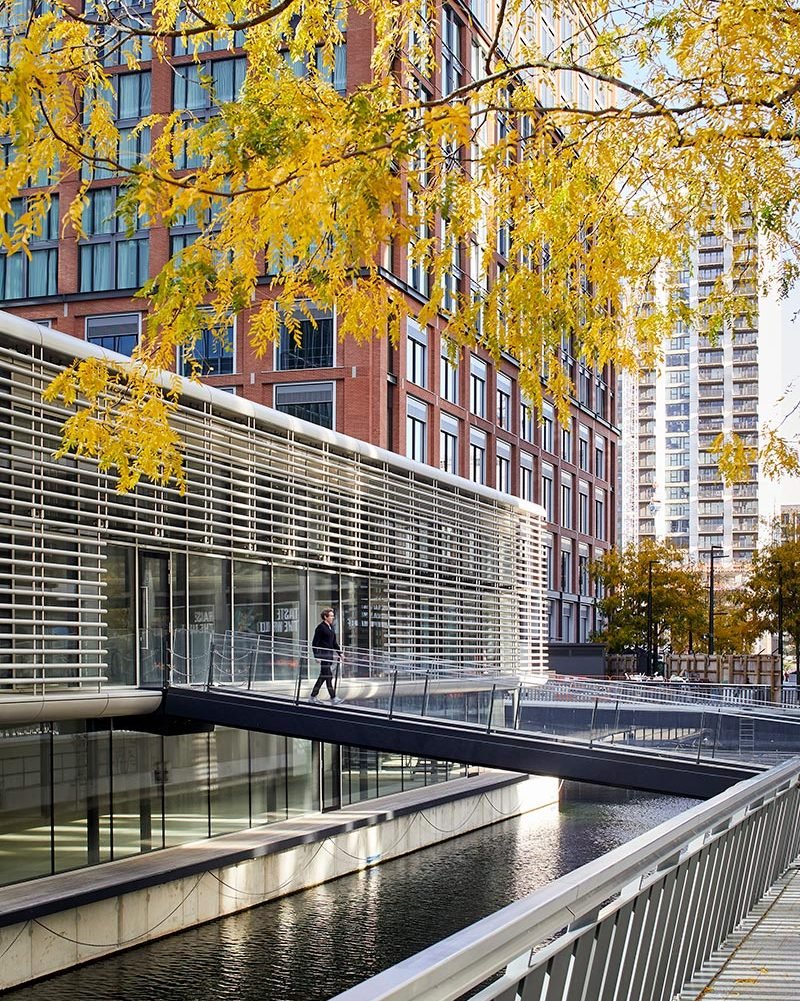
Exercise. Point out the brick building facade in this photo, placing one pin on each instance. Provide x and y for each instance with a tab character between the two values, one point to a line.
469	418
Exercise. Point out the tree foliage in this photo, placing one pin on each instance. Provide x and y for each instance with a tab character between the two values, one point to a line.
652	577
299	189
773	585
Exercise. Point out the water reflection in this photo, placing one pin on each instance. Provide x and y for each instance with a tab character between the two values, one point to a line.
312	945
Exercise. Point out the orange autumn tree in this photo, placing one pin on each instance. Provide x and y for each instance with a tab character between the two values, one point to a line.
693	124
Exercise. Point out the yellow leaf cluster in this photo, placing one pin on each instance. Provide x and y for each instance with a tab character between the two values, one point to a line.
298	189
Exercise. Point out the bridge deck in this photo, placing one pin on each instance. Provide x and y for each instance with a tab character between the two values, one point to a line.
452	740
760	961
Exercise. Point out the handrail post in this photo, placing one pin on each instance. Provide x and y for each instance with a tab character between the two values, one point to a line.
518	709
716	732
394	689
491	710
297	686
591	725
700	736
210	676
425	692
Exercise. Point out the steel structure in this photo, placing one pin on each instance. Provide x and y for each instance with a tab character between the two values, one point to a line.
676	893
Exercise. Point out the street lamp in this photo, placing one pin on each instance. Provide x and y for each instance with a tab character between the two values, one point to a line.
714	550
650	637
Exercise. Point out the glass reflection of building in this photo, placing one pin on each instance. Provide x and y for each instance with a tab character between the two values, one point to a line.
280	520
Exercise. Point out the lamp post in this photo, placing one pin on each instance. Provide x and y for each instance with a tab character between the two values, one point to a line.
780	616
650	637
714	550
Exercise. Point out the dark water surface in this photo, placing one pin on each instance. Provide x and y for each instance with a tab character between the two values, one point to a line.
311	946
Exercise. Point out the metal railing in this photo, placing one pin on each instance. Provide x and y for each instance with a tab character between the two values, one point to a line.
639	922
249	660
567	689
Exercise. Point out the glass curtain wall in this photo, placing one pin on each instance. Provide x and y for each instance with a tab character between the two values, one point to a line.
80	793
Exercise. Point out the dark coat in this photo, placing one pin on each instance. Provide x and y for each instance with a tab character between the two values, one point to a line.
324	644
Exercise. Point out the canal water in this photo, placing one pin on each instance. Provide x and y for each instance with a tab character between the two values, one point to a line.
311	946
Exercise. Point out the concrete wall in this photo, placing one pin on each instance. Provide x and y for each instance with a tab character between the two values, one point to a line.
332	845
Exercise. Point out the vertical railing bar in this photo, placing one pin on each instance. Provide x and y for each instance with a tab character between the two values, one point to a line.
391	698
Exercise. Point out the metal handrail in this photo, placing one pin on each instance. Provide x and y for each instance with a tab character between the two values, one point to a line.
726	697
677	892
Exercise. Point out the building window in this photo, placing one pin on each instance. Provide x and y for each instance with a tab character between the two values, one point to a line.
226	78
335	75
599	456
566	441
566	566
526	420
552	619
448	443
583	507
416	353
133	104
526	476
567	622
310	401
477	455
448	374
115	332
503	470
111	257
504	390
583	571
24	276
213	351
599	514
130	100
452	66
584	387
566	500
548	421
547	490
416	429
307	339
584	624
477	386
583	448
548	562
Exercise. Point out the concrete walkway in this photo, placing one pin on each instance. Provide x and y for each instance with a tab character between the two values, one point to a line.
761	961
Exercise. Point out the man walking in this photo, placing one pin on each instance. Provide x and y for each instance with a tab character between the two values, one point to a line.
326	649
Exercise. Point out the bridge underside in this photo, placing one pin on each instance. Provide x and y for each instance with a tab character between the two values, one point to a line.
512	750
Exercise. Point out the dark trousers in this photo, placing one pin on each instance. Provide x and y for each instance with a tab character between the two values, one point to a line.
326	676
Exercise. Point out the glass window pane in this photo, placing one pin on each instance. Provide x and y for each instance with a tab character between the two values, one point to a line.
25	830
230	803
302	789
120	616
137	792
184	773
81	801
268	771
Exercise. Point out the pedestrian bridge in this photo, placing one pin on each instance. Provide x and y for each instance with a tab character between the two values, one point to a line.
373	721
703	906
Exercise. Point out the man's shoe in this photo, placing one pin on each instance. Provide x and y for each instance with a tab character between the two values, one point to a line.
314	699
335	701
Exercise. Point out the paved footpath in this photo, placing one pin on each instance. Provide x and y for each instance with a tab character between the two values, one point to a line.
761	961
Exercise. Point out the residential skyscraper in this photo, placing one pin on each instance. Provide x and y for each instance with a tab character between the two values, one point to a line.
712	381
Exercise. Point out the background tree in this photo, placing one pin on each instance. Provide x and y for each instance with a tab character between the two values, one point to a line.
677	595
603	198
775	575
